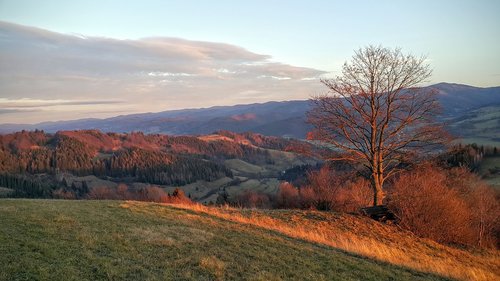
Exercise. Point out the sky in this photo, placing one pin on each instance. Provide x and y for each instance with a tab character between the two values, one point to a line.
62	60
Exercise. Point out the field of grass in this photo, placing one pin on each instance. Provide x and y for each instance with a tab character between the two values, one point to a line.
5	191
114	240
480	126
489	165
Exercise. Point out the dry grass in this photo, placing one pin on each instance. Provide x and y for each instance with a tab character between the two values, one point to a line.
116	240
213	265
367	238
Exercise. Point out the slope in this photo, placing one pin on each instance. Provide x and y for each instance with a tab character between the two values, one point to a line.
113	240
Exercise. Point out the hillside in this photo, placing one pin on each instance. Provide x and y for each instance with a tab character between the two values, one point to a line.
283	119
116	240
74	163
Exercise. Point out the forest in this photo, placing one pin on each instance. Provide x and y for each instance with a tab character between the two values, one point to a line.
31	161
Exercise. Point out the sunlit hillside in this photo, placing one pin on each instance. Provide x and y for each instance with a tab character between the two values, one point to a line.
127	240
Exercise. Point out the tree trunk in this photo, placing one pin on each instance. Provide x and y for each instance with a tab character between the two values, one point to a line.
378	192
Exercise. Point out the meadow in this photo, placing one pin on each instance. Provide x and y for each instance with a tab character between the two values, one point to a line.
128	240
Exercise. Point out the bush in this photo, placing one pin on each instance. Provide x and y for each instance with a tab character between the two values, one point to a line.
148	193
287	197
326	191
252	199
448	206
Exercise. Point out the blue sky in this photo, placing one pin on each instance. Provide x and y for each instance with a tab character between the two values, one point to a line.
460	38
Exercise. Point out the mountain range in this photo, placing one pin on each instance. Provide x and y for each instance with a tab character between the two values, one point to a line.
284	119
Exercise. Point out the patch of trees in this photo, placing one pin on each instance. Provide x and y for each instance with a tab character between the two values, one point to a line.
156	158
297	175
71	155
25	186
148	193
469	156
23	140
269	142
183	171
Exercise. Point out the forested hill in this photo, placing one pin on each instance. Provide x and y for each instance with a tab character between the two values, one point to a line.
31	161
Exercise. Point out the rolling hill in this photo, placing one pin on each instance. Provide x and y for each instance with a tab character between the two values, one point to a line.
77	163
117	240
284	119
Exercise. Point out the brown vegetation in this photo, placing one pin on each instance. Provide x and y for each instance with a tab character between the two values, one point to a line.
366	237
327	191
448	206
252	199
149	194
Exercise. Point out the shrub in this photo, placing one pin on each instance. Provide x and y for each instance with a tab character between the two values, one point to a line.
448	206
326	191
354	195
252	199
336	191
287	197
148	193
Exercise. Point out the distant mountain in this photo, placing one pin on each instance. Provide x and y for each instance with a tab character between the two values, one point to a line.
272	118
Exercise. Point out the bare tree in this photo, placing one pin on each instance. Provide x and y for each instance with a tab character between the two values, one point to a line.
375	115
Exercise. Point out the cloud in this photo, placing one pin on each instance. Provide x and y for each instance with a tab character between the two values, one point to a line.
8	111
34	103
68	72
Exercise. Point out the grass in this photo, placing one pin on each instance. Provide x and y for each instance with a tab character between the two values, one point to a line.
368	238
113	240
480	126
490	163
5	191
241	166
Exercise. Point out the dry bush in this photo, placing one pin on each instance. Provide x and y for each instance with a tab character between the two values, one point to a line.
152	194
149	193
178	197
252	199
354	195
485	206
287	197
327	191
448	206
426	206
325	186
123	193
307	198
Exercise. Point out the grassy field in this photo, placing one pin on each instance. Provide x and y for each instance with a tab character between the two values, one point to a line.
113	240
488	165
480	126
5	191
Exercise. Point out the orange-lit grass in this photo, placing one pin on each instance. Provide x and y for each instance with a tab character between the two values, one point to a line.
365	237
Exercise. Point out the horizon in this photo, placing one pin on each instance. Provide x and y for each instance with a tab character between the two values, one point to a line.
69	61
198	108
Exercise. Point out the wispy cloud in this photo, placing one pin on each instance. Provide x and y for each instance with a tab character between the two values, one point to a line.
53	71
8	110
33	103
